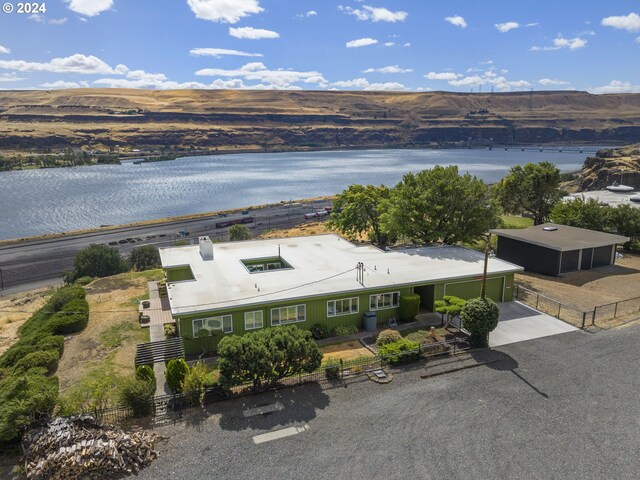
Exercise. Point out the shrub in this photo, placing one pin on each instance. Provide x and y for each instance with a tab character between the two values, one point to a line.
194	383
86	280
400	351
64	323
51	342
342	331
320	331
480	317
145	373
144	257
419	336
239	232
409	307
332	369
64	295
15	353
387	336
97	261
170	330
137	395
47	359
177	369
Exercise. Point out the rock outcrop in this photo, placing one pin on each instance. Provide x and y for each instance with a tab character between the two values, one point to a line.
620	165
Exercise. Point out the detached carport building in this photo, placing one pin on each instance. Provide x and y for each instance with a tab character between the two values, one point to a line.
553	249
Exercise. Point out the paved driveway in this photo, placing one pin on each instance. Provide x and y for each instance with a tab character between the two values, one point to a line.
519	322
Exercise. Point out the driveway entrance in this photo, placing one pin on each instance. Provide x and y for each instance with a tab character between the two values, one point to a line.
519	322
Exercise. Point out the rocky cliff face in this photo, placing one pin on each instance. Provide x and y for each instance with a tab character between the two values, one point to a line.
620	165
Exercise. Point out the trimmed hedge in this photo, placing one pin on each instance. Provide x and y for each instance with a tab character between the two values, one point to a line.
28	392
409	307
47	359
343	331
402	351
177	369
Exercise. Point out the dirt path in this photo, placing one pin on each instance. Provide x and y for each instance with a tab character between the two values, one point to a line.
15	310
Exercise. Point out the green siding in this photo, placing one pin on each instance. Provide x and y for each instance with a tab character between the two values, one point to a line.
316	308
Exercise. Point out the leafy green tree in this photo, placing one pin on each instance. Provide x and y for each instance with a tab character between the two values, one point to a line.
176	370
581	213
450	306
144	257
625	219
97	261
480	317
239	232
439	205
265	356
532	189
357	210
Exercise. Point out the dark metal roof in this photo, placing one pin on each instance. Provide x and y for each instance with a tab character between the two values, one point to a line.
561	237
156	352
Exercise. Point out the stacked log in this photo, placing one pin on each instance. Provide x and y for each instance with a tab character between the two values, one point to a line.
81	448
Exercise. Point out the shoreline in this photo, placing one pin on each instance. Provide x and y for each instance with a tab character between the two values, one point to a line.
148	223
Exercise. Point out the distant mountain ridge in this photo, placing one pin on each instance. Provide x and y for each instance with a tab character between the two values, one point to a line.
228	119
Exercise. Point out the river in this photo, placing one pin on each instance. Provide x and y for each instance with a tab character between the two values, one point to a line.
35	202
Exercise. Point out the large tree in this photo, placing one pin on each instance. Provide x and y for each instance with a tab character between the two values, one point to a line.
625	219
440	205
357	211
533	189
581	213
145	257
239	232
97	261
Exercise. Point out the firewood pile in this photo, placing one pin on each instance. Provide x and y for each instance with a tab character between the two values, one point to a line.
81	448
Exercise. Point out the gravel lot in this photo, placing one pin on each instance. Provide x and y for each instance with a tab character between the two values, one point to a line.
558	407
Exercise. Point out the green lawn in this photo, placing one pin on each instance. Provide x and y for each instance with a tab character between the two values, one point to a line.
512	221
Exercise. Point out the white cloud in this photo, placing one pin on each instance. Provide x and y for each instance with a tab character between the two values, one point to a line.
616	86
361	42
407	45
389	44
375	14
560	42
63	84
4	49
251	33
227	11
147	83
505	27
311	13
220	52
90	8
364	84
39	18
638	40
489	78
388	69
78	63
279	78
10	77
457	20
550	81
630	23
441	76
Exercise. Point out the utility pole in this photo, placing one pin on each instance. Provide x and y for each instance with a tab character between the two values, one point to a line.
484	270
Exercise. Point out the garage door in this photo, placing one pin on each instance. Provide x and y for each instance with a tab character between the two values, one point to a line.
472	289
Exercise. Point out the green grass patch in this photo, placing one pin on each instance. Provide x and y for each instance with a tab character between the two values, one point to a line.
121	332
512	221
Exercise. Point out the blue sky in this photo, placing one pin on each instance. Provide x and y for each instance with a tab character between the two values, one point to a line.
404	45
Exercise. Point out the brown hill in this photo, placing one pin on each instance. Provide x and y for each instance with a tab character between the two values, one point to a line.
620	165
297	119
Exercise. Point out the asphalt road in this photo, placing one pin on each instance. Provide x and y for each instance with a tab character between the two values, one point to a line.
29	263
561	407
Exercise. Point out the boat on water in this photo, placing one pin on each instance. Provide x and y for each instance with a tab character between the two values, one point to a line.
617	187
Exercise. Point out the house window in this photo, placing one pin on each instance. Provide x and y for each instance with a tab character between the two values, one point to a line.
382	301
223	323
344	306
291	314
274	266
255	268
253	320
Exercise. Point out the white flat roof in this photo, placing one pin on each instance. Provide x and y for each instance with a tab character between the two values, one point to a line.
605	196
322	265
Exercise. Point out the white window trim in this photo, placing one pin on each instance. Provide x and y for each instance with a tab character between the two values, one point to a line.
384	308
304	306
254	320
204	320
350	312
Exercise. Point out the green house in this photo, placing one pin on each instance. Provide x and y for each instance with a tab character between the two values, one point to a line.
236	287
